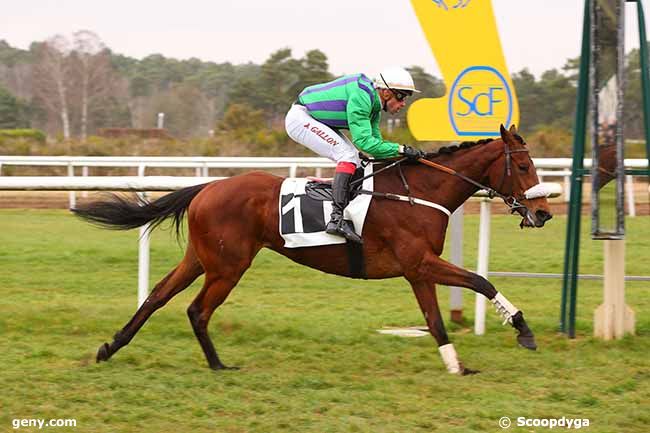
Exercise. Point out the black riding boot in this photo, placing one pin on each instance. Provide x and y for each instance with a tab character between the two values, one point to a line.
340	197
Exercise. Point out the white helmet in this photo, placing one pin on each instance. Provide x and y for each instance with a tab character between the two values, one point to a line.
395	78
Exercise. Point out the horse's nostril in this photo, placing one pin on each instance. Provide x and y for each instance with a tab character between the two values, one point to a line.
542	215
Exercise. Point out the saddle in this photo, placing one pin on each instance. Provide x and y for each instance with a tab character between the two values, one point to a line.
321	189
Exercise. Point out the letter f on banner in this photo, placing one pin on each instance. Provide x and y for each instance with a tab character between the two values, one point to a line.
480	96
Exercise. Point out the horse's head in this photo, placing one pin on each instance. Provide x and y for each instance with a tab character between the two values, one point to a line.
513	175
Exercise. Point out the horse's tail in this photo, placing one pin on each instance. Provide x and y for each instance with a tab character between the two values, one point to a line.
122	213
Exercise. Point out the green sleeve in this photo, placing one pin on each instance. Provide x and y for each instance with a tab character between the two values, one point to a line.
366	135
376	132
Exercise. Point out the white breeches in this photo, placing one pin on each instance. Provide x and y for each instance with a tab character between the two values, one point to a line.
319	137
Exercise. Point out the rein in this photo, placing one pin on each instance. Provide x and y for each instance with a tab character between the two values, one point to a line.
510	200
399	161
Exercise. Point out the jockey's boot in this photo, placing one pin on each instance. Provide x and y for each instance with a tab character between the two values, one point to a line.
340	197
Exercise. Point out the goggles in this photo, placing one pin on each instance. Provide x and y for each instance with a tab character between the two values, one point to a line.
401	95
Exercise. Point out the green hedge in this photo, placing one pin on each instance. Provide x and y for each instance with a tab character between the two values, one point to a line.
33	134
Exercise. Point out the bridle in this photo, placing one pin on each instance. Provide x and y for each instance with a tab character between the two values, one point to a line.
510	200
513	202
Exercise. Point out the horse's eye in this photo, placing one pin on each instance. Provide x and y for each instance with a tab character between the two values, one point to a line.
524	168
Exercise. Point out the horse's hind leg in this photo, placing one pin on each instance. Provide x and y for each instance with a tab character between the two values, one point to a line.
215	291
175	282
425	293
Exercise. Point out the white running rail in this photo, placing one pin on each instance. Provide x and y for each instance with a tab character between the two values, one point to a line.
546	167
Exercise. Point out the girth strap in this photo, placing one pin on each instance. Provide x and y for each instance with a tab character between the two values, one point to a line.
411	200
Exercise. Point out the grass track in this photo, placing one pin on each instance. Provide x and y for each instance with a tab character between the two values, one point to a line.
306	341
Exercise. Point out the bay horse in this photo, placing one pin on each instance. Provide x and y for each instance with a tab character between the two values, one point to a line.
230	220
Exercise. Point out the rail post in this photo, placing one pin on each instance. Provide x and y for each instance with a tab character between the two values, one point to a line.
456	257
482	264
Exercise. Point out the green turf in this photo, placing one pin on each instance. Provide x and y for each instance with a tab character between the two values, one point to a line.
311	359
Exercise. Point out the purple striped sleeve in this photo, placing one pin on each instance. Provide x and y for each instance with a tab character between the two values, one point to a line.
335	83
368	91
335	105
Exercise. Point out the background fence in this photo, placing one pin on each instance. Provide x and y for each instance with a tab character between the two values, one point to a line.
547	168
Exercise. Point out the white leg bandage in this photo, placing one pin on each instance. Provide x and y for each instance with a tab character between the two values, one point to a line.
504	307
450	358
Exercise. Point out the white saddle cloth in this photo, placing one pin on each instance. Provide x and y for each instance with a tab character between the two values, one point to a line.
303	219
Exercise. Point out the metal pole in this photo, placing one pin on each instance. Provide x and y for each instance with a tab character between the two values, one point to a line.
645	76
571	255
620	123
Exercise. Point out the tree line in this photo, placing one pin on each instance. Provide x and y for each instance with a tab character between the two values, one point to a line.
70	87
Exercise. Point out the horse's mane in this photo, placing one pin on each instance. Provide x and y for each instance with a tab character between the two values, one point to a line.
446	150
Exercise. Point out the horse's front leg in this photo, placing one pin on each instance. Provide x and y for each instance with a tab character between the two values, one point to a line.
442	272
425	293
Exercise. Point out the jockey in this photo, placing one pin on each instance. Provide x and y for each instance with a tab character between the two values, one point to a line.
351	102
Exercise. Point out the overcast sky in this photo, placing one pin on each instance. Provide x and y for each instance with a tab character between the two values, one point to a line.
356	35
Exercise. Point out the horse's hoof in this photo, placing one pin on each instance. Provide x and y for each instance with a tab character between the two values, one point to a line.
525	338
223	367
103	353
527	341
464	371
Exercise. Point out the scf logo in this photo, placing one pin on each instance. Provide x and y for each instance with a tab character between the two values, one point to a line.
480	98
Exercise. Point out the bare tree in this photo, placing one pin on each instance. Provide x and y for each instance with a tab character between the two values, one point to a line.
52	78
92	67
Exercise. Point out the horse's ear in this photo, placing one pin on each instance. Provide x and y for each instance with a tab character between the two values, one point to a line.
503	132
513	129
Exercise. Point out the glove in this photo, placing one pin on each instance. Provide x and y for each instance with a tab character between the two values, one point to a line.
411	152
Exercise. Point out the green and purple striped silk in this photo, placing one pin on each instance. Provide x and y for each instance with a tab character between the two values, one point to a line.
350	102
328	102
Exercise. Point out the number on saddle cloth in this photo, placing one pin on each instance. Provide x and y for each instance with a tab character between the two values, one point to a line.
305	208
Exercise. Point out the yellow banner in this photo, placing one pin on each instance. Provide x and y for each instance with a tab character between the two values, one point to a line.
480	96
